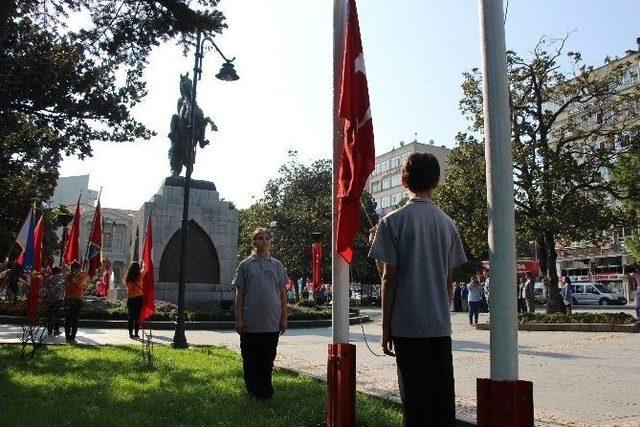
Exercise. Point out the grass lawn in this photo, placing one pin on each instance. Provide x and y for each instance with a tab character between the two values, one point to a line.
111	386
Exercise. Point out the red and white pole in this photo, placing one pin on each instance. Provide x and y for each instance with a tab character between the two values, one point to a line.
341	363
503	400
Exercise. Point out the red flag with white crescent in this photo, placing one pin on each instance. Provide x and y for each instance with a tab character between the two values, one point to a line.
357	159
148	283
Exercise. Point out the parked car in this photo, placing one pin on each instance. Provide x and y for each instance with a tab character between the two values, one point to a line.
595	293
538	293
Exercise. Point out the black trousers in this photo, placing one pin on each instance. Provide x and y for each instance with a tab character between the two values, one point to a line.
72	315
258	353
134	306
425	376
53	316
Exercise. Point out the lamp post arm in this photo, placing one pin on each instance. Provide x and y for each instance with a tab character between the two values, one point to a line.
210	40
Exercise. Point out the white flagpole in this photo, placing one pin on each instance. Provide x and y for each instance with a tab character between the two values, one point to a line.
339	268
502	246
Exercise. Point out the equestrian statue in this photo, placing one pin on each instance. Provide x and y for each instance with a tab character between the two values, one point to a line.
179	134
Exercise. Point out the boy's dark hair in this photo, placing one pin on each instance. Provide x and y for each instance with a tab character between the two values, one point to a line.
55	270
420	172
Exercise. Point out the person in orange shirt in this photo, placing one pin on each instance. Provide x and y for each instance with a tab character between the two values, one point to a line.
133	281
74	285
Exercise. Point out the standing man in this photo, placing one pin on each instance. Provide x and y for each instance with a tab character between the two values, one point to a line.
529	294
261	313
74	285
417	247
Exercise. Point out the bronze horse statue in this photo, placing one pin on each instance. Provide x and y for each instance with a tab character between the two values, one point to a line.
179	133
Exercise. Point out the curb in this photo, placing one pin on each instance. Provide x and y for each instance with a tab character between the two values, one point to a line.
193	326
572	327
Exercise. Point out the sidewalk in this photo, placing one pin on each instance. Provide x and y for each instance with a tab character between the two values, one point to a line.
580	379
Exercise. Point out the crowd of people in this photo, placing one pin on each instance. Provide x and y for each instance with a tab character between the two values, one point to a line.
63	290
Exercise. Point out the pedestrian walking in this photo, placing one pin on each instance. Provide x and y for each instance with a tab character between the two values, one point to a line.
457	298
529	293
261	313
422	242
634	279
54	297
486	289
12	282
476	293
74	285
133	281
464	294
522	301
567	293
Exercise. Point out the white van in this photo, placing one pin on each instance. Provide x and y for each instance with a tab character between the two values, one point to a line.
595	293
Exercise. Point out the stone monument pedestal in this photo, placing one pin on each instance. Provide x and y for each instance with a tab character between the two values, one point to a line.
212	241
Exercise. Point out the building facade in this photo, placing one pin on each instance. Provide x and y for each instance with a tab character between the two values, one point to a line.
385	183
608	260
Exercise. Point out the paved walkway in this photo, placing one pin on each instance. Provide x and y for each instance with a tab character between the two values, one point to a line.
580	378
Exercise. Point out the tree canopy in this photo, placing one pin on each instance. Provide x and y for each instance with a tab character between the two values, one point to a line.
568	130
298	199
62	89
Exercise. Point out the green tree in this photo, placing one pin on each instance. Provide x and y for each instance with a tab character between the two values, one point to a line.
567	131
62	89
627	174
298	199
463	195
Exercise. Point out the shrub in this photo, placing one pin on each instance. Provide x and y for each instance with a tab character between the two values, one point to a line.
588	317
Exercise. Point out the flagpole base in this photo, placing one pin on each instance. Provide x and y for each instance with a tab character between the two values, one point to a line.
341	385
504	403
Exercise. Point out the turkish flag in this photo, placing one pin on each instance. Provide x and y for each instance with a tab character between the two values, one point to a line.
94	250
148	283
357	159
71	251
33	294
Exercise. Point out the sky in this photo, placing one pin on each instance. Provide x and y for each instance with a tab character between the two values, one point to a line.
415	53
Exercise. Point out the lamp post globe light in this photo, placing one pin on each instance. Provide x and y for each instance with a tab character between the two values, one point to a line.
226	73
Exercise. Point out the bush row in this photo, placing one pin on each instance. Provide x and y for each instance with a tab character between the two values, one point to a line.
97	308
610	318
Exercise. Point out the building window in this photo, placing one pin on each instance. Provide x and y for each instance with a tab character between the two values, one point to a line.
395	161
396	198
118	239
106	240
385	202
375	186
395	180
386	183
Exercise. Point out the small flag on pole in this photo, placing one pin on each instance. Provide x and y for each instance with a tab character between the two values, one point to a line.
25	241
148	283
357	159
71	251
33	294
94	249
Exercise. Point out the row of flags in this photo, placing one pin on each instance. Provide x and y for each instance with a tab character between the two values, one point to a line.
30	241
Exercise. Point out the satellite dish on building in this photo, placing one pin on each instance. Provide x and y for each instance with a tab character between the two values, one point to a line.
431	142
401	143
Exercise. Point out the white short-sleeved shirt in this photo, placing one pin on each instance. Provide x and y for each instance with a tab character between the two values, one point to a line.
261	279
423	243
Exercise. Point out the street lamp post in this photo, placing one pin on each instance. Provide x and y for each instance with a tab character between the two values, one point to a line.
226	73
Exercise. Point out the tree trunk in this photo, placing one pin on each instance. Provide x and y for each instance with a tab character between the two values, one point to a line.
541	251
554	302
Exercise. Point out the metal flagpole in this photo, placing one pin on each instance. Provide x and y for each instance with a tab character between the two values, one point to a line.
502	400
341	359
339	268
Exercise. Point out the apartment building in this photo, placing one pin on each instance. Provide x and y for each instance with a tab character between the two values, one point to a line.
385	184
608	260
